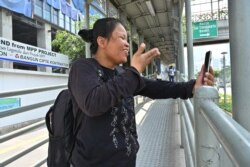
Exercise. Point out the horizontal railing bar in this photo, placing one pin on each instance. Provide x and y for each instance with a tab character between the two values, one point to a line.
18	132
40	163
22	153
33	90
25	108
190	110
187	149
233	137
189	129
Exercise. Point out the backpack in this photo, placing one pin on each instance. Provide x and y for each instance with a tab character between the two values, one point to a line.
62	130
63	126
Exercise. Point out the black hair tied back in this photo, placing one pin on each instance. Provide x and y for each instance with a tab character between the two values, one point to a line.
86	34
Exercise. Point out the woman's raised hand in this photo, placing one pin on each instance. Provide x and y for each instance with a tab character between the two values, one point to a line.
140	60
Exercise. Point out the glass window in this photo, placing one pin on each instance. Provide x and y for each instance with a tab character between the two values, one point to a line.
55	16
112	11
73	26
47	12
39	8
79	23
94	15
67	23
100	4
61	19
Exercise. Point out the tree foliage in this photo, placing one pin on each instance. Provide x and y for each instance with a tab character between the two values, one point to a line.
216	73
69	44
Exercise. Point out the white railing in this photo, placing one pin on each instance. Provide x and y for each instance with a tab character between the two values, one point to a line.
34	126
13	112
211	137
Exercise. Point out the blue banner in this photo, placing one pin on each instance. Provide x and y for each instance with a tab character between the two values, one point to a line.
68	10
79	4
54	3
20	6
63	6
74	13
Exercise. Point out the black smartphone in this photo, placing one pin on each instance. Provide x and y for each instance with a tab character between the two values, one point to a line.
207	62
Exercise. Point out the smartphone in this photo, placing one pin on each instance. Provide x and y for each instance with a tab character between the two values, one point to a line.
208	59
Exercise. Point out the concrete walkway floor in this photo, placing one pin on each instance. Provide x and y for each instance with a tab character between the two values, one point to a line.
158	129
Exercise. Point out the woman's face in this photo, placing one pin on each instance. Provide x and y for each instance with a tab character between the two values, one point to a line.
117	46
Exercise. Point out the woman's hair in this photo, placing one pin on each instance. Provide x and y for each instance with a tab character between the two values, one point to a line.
102	27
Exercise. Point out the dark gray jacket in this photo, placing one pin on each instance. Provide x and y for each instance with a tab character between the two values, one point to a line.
107	136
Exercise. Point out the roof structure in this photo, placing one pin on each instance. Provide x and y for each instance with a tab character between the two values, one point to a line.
157	21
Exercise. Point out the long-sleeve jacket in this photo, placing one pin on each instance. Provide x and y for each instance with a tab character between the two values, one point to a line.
107	136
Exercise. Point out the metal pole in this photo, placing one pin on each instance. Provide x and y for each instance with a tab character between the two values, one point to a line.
239	34
224	77
212	10
189	40
181	46
87	45
218	9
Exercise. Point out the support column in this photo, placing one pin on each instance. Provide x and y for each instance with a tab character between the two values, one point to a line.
189	39
181	46
44	41
130	43
239	24
87	45
6	32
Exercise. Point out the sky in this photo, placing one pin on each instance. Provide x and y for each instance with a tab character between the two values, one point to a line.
199	55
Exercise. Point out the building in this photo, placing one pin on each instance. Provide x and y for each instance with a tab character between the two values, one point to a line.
28	27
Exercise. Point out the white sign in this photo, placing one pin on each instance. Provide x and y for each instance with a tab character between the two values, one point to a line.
23	53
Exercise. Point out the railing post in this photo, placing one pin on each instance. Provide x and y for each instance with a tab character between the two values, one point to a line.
206	145
178	75
181	125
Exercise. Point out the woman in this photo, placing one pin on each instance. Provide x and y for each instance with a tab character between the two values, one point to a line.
107	136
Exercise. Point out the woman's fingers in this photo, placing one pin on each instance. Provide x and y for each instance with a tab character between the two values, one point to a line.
140	59
141	49
149	55
209	79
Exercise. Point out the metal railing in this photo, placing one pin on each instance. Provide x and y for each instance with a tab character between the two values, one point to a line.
207	15
210	137
34	126
29	128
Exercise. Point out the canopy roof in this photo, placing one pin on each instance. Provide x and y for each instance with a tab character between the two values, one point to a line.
160	29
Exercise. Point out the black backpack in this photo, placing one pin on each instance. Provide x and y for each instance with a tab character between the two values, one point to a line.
62	130
63	126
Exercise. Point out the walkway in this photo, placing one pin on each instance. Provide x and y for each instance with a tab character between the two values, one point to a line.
159	135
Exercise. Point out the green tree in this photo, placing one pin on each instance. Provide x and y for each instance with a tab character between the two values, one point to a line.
92	19
216	73
69	44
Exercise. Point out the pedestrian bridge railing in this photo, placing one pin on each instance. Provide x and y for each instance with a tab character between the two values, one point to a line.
29	128
210	136
37	125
